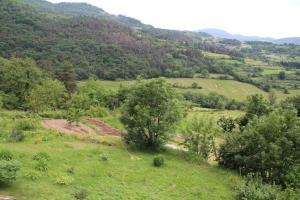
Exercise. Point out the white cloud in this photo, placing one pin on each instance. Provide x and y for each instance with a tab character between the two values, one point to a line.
275	18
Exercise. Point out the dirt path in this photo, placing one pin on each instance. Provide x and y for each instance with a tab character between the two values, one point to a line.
63	126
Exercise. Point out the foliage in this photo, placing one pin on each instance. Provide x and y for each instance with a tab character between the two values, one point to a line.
41	165
200	137
8	171
158	161
150	112
67	76
16	135
254	188
80	195
32	175
17	77
64	180
6	155
103	157
268	146
227	124
213	100
41	156
292	101
49	95
26	124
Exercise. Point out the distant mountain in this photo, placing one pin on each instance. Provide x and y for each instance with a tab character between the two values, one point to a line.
223	34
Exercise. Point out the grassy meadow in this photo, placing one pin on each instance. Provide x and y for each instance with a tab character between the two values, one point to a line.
229	88
75	165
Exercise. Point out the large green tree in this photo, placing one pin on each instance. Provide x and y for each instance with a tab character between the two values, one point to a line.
17	77
150	112
49	95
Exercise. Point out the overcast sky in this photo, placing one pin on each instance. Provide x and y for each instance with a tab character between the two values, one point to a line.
273	18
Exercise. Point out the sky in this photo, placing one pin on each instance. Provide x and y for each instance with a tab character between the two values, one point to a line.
266	18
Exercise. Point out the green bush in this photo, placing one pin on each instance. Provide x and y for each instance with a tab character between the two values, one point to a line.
41	156
16	135
103	157
26	124
32	175
253	188
70	170
6	155
158	161
64	180
97	111
8	171
41	166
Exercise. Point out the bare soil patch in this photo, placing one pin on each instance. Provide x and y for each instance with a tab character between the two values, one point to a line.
61	125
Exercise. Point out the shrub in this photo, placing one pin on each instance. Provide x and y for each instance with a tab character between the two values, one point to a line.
70	170
41	166
81	195
199	140
104	157
158	161
41	156
227	124
32	175
267	146
26	124
64	180
6	155
97	111
16	135
8	171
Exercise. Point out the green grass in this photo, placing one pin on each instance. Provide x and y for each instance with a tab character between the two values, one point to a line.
229	88
207	113
126	175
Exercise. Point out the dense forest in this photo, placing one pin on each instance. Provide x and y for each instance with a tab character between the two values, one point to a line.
105	46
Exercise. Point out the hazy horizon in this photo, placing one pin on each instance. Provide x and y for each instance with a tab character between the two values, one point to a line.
264	18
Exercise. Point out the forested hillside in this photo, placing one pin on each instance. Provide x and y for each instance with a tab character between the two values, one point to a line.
106	46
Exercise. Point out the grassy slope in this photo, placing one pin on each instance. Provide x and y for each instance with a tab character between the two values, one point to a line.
126	175
228	88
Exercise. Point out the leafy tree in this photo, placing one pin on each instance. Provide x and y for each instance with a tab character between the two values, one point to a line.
68	77
292	101
200	137
50	95
269	146
227	124
150	112
282	75
17	77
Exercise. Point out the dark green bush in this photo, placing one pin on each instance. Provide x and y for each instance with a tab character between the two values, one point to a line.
8	171
16	135
158	161
6	155
81	195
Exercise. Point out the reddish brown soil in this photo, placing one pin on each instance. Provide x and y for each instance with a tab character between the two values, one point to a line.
63	126
104	128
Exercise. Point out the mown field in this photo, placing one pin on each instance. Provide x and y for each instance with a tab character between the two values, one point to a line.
229	88
76	161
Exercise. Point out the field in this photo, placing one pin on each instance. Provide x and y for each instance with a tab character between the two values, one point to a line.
76	161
